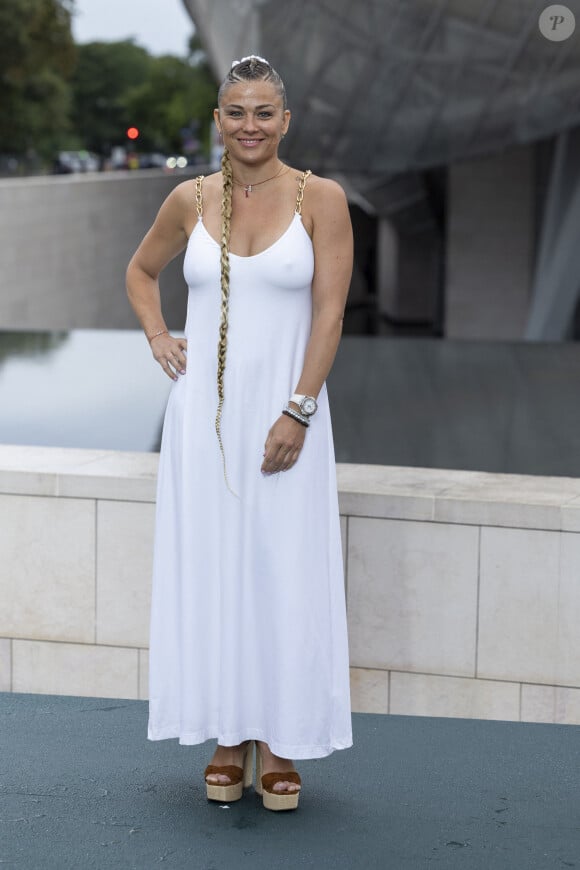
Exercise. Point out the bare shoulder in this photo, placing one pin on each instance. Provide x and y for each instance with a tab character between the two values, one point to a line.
211	184
185	191
326	188
325	204
211	189
180	197
179	207
323	197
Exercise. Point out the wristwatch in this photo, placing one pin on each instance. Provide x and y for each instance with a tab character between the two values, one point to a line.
307	404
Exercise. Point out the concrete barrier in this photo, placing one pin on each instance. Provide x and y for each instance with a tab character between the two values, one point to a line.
462	587
65	242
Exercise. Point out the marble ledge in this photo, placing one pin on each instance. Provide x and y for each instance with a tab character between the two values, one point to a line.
381	491
78	473
457	496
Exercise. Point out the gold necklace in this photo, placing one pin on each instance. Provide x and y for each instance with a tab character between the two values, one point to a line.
249	187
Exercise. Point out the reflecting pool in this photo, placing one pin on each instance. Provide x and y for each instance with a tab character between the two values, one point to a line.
483	406
84	388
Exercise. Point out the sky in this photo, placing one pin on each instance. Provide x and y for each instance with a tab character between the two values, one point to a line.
160	26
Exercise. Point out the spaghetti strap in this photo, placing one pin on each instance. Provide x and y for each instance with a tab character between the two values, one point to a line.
301	186
199	196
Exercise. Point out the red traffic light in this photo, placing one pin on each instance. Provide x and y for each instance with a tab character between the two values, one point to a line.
132	133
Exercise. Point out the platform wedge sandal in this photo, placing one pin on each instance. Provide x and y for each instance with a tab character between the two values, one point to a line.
240	778
276	800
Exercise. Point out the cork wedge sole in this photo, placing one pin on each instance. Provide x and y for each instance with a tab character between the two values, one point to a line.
271	799
239	778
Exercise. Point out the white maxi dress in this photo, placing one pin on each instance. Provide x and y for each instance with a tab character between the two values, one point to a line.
248	636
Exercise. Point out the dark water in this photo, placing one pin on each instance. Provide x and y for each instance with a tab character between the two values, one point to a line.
482	406
485	406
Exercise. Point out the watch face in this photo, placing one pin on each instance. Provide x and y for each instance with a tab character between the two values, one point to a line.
309	406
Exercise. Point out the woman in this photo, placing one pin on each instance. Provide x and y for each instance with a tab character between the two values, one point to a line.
248	626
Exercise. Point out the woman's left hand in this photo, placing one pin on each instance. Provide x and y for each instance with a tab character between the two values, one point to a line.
283	445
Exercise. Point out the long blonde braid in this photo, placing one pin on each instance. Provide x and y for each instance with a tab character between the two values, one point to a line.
249	69
227	189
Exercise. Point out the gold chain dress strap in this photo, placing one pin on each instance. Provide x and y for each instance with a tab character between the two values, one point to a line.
198	196
301	186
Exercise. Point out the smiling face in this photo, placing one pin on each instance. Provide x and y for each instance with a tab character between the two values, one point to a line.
252	119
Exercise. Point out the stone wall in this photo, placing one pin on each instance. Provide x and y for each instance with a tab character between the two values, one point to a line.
64	246
65	243
461	587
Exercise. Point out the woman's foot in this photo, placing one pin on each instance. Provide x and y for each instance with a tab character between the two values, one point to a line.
224	756
274	764
226	780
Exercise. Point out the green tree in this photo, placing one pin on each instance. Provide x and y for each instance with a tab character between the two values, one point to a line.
119	84
37	57
106	73
177	96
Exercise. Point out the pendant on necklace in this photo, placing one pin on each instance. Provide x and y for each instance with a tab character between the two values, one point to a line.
248	189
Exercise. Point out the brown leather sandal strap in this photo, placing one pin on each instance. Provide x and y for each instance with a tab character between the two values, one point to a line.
269	780
235	773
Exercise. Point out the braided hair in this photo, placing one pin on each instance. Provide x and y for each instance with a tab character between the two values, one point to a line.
255	69
227	188
249	69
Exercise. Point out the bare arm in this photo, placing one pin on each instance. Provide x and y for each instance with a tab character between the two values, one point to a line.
333	258
166	238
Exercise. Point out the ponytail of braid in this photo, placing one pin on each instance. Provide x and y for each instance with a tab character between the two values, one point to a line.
227	190
251	68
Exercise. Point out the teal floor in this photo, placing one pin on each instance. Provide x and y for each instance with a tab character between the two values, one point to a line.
81	787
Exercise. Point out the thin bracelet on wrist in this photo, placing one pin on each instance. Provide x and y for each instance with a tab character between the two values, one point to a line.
156	334
296	416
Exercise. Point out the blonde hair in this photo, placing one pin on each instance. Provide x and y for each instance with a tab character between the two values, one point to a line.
227	188
249	69
253	69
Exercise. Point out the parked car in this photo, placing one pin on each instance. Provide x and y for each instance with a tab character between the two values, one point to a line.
152	161
67	162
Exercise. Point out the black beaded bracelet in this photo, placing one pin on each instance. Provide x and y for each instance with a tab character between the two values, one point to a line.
296	416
